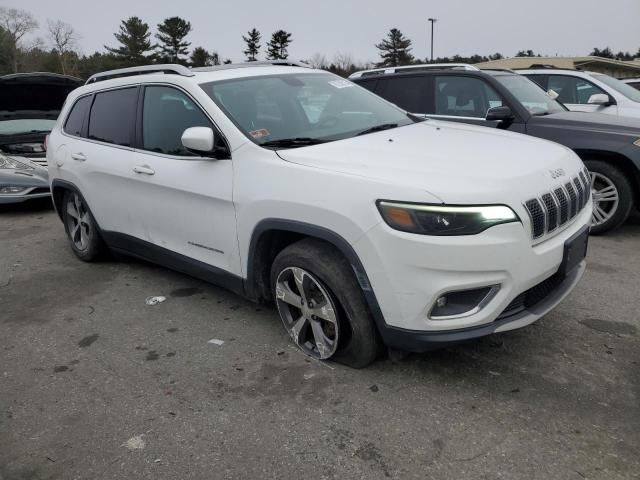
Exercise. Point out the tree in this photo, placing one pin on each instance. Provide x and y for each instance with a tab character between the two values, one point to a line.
200	58
394	50
171	34
277	47
63	38
15	24
135	44
526	53
604	53
253	45
319	61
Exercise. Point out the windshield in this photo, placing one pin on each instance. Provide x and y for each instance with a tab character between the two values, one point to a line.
27	125
621	87
529	94
290	110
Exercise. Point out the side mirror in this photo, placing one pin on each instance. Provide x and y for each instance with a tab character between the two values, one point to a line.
199	140
600	99
499	114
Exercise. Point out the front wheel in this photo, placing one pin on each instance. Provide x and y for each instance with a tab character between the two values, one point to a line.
612	196
321	304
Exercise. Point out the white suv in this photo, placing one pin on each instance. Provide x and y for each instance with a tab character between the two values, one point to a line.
582	91
363	223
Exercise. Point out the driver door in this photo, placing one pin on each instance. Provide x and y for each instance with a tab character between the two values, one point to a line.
185	200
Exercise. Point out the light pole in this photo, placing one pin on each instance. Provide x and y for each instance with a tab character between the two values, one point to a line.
432	20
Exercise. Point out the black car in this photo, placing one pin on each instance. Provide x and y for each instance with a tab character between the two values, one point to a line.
29	107
608	145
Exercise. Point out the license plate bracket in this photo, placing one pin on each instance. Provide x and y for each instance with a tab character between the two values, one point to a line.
575	250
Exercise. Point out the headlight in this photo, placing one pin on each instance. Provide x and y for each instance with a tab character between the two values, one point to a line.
12	163
12	190
637	143
444	219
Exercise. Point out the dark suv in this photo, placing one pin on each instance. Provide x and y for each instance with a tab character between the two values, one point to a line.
608	145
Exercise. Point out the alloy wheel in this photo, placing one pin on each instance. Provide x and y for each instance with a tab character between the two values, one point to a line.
605	198
78	222
308	312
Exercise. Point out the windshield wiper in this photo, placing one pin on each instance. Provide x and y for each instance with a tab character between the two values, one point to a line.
293	142
378	128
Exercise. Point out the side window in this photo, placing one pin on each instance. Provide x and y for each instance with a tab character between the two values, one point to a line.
459	96
541	80
75	120
167	113
369	84
572	90
409	93
113	116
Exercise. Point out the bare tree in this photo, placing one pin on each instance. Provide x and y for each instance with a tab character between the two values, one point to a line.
318	60
17	24
343	61
64	39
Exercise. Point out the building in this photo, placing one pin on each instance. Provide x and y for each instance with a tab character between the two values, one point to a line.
613	68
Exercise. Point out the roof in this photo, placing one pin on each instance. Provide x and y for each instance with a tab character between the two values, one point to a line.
40	75
410	68
567	63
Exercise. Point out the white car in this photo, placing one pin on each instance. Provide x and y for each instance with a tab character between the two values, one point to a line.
360	221
583	91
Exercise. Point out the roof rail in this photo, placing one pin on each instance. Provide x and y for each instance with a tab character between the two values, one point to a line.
126	72
421	67
264	63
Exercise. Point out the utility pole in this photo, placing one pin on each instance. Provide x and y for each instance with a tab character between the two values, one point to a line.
432	20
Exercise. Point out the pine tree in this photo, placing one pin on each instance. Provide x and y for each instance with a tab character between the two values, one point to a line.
135	44
253	45
394	50
171	34
277	47
200	58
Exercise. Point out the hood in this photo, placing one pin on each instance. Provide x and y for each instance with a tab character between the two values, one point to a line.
594	122
34	95
457	163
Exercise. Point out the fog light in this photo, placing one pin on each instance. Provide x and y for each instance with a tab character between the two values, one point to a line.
12	189
462	303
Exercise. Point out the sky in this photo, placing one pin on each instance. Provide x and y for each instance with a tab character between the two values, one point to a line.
552	27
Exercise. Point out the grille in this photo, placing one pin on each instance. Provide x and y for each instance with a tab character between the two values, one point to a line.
554	209
532	297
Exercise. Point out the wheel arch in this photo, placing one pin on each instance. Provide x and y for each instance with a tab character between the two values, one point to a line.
272	235
618	161
58	189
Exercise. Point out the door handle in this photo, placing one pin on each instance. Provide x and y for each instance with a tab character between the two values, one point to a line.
144	169
79	157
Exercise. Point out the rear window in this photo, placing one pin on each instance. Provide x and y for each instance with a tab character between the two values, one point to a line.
113	115
75	120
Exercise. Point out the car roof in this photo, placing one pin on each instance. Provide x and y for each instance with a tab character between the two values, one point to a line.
433	71
34	76
552	71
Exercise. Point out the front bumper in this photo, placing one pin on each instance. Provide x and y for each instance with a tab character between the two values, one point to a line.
412	271
35	184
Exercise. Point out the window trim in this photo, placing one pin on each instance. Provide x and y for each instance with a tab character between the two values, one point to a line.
139	140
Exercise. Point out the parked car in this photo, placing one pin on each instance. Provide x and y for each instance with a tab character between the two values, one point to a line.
292	185
582	91
634	82
502	99
29	106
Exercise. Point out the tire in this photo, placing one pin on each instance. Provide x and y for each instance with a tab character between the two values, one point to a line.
612	196
81	228
355	340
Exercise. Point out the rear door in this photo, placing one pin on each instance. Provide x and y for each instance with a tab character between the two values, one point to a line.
185	201
103	160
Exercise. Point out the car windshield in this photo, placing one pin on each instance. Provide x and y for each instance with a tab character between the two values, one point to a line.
621	87
26	125
529	94
294	110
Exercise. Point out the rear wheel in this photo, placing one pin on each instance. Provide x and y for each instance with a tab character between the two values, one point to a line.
81	228
321	304
612	196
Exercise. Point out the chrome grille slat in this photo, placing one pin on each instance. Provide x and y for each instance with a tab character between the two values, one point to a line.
556	208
